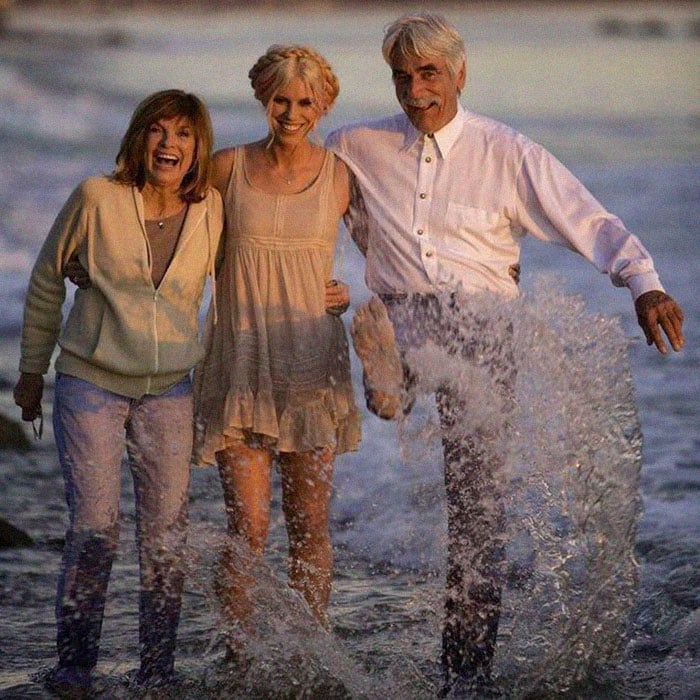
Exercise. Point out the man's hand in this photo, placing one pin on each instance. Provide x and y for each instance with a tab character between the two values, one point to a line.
337	297
27	394
656	309
77	274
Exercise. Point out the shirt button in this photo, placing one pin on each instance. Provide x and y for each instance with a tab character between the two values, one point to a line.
423	195
420	231
428	159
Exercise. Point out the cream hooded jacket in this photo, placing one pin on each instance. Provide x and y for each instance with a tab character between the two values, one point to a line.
122	334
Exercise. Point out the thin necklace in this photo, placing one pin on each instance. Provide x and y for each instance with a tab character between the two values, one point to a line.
292	175
162	217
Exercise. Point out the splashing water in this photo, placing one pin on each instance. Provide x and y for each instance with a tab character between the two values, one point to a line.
284	652
570	450
569	447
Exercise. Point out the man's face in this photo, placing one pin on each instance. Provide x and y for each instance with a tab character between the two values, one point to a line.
426	90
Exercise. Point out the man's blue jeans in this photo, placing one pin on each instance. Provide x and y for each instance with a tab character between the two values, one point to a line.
93	428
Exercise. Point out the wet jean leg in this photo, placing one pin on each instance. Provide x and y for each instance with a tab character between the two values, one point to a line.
89	433
474	510
159	445
475	555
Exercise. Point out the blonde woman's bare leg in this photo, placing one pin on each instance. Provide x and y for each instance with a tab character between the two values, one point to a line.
245	479
306	492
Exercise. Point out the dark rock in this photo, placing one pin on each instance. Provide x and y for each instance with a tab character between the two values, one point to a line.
12	435
10	536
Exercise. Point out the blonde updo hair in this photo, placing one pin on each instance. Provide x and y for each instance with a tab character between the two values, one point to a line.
280	64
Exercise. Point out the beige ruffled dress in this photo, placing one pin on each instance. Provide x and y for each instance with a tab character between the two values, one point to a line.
277	369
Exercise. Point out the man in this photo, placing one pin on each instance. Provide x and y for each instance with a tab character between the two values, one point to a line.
443	198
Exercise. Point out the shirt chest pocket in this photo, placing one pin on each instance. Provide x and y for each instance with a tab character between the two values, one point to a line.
476	228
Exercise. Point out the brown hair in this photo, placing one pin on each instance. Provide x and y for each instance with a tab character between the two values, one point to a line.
167	104
274	70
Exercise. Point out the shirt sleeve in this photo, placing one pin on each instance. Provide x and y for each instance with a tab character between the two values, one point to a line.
356	218
552	205
47	291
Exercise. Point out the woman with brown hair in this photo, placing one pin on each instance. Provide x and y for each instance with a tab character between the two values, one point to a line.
275	386
147	236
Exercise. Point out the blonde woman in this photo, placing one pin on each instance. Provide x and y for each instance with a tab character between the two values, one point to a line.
275	386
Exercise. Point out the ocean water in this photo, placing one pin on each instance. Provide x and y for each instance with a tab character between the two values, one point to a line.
602	472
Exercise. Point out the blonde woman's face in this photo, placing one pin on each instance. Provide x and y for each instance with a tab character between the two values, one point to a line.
293	112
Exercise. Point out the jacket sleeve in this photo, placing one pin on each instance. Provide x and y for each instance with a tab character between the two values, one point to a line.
47	291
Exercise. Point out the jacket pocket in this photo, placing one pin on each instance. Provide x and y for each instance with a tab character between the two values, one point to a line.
81	332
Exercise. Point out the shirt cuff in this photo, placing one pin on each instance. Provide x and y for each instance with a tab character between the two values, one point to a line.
34	366
646	282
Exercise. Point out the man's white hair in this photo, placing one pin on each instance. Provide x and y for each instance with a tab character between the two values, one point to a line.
424	35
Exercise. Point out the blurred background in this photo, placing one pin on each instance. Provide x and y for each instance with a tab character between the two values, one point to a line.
611	88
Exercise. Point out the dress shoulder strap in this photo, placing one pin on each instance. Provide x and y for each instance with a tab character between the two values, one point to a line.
229	180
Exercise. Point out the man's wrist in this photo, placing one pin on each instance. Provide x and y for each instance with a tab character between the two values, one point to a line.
643	283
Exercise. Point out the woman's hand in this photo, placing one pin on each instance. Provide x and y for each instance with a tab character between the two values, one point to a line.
337	297
27	394
77	274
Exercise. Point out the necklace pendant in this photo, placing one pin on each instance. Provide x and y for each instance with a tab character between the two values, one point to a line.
160	224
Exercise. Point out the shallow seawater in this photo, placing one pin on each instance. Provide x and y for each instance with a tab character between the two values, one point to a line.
601	476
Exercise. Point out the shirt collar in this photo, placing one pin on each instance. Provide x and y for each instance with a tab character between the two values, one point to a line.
445	138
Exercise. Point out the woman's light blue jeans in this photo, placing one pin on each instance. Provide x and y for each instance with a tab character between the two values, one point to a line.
93	429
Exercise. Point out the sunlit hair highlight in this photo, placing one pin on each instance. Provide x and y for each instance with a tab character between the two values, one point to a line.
167	104
424	35
280	64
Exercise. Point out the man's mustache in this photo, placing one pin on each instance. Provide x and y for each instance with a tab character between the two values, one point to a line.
420	103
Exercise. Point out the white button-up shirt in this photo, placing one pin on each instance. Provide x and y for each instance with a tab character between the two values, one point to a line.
448	209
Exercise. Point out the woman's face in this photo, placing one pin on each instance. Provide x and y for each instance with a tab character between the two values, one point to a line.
293	113
170	151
